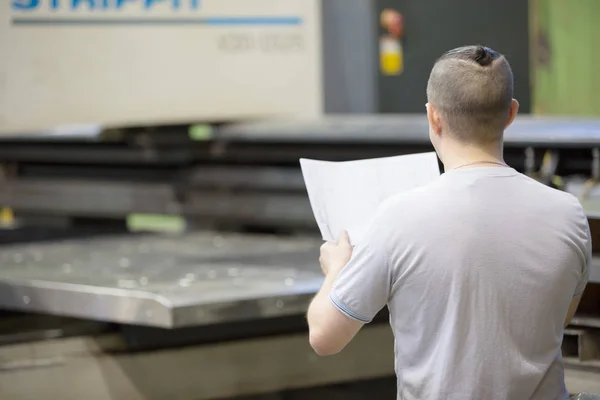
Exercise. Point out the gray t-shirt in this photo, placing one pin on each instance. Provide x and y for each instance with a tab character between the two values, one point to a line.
478	270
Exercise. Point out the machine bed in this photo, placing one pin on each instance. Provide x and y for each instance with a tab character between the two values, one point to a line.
163	280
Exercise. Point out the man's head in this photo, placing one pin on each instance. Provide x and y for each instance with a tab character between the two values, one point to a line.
470	97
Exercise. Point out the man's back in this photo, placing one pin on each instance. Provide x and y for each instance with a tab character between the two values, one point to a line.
484	263
480	270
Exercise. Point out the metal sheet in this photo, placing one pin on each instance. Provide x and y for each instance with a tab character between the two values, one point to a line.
526	130
166	281
118	199
88	198
55	152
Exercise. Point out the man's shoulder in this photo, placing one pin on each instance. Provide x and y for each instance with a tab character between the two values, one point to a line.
549	195
559	208
569	201
560	199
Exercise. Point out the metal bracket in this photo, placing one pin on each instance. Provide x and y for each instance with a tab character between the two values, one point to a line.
548	169
547	172
530	161
595	179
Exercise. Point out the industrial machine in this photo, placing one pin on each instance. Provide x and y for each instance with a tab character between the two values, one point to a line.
149	62
191	313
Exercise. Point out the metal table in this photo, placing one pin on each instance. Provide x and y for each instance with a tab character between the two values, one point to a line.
164	281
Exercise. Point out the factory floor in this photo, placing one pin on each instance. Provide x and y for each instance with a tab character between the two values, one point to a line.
583	380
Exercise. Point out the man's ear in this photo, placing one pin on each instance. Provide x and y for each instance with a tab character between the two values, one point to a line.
433	117
512	113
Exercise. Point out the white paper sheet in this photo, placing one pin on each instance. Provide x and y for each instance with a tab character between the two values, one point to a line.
345	195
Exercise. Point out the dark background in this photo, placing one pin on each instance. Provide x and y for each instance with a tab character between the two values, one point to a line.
434	26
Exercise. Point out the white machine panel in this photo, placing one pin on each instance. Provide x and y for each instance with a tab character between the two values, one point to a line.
126	62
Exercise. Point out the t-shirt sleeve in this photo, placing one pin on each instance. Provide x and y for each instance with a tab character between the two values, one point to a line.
585	273
363	286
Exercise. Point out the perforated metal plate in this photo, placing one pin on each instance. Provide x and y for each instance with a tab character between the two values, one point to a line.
166	281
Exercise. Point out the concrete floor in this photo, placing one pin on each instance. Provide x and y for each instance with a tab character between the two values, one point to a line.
582	381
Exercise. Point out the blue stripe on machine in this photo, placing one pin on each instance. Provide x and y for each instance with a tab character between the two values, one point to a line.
215	21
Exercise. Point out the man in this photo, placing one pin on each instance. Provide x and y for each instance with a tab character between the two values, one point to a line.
481	270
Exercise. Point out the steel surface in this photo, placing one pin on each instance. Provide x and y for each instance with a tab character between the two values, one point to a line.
166	281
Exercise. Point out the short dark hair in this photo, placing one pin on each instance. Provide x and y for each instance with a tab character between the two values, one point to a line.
472	87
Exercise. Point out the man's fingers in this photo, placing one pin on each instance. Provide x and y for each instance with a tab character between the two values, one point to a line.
344	239
327	244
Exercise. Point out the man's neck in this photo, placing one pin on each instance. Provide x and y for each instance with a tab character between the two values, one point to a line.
458	155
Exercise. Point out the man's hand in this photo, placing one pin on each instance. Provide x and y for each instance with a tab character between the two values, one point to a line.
335	255
330	330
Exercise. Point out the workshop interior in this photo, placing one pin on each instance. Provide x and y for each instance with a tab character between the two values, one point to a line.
157	241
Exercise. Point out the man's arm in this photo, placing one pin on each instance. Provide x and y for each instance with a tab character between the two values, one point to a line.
330	330
356	287
585	270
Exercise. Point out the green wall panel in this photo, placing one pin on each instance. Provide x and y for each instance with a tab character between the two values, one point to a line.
565	51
